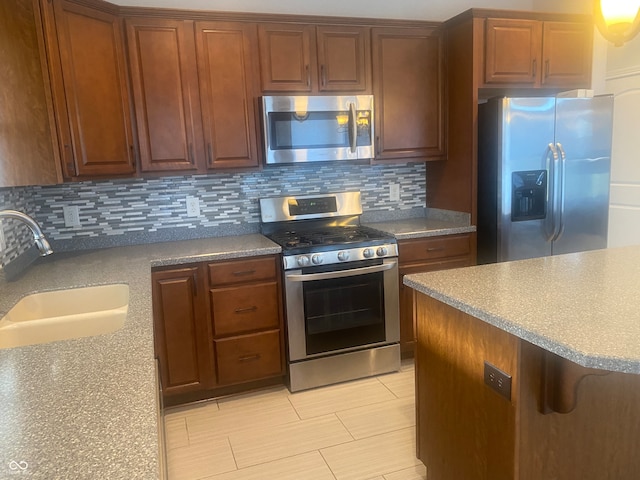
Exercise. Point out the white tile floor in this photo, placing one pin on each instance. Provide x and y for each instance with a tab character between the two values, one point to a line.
360	430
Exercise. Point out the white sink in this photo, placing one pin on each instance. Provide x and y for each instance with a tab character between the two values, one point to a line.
64	314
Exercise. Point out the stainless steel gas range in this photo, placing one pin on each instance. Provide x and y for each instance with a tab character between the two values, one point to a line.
341	288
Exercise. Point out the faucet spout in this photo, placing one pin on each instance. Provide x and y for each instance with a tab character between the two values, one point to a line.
41	243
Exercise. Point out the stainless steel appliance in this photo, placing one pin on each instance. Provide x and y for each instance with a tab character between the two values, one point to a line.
317	128
341	289
543	176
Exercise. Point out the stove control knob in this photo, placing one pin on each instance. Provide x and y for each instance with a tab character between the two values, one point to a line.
382	251
316	259
368	253
343	256
303	260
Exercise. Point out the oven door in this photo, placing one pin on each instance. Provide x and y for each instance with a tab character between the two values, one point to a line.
342	307
317	128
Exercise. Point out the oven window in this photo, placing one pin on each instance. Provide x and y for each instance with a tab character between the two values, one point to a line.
344	312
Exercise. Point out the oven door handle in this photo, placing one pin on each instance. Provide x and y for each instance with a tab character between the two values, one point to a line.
340	274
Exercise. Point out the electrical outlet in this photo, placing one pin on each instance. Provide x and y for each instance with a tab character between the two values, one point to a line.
394	192
71	216
3	241
497	380
193	206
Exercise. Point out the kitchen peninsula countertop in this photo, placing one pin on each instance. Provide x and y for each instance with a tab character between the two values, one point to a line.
86	408
583	307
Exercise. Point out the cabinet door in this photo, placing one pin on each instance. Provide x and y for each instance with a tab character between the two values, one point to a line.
567	53
165	86
426	255
512	51
27	148
90	92
287	57
408	84
344	59
226	54
182	337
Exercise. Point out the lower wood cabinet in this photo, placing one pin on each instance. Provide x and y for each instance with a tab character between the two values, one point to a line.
248	357
218	327
181	330
426	255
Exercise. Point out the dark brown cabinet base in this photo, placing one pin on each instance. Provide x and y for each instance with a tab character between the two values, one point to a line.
465	430
218	327
427	255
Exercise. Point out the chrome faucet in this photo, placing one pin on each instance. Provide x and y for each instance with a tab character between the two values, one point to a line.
41	243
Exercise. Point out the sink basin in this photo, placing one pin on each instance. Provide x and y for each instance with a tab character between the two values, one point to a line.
65	314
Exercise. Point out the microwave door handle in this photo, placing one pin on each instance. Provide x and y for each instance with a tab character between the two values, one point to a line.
340	273
353	127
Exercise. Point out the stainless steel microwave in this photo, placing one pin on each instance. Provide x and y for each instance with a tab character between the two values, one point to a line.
317	128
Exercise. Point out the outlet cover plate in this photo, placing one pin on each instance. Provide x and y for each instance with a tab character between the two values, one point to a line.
497	380
3	241
394	192
71	216
193	206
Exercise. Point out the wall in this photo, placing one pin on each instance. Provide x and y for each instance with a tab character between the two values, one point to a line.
124	212
437	10
623	80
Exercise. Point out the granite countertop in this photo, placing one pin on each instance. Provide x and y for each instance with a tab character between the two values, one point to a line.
86	408
584	307
434	223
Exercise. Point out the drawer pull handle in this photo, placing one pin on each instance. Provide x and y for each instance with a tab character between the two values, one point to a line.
249	358
246	310
435	249
244	272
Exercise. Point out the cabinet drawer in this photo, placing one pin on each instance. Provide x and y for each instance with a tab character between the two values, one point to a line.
237	271
249	357
244	308
432	248
442	264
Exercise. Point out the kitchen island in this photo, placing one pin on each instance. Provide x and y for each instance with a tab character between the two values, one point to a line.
529	369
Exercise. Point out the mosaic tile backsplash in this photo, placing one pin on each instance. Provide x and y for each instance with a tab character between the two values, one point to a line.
134	211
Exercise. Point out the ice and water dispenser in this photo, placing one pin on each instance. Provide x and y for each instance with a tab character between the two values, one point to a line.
528	195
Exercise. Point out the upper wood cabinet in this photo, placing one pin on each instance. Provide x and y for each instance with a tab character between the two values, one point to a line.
194	94
90	90
227	70
409	88
165	86
537	53
27	150
314	59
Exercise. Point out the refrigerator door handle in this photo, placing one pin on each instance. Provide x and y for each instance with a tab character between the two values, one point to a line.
561	183
550	224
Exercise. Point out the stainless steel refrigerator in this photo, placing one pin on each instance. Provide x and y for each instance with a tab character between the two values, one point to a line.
543	176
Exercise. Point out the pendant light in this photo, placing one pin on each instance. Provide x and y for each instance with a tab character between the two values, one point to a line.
617	20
